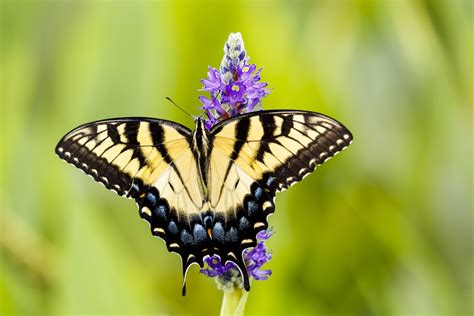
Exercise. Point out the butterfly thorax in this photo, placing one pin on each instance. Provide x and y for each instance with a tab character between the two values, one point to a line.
200	146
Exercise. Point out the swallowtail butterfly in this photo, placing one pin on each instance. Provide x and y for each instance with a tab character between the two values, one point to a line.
205	192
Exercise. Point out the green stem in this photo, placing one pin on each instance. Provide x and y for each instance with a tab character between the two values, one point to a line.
233	302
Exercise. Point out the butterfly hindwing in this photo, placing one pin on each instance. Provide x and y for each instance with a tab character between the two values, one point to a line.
256	155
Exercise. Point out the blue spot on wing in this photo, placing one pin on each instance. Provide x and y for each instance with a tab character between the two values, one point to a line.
218	232
231	235
173	228
186	238
160	211
151	199
252	207
199	233
270	180
243	223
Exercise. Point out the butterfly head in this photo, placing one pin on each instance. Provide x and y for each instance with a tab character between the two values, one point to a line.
200	124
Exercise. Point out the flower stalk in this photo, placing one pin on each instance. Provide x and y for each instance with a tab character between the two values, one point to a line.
233	302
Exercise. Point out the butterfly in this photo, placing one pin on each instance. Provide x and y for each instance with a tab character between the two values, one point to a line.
205	192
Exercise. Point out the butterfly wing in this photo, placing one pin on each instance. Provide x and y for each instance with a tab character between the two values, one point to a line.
151	161
252	157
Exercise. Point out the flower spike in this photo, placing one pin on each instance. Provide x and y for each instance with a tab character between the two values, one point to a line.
235	88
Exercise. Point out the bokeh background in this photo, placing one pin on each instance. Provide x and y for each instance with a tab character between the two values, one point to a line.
385	228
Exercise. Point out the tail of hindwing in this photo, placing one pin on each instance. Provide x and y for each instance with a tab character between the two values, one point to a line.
233	232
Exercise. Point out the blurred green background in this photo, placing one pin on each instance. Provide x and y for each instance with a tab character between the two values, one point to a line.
385	228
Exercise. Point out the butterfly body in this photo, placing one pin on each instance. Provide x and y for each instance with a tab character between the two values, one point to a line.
205	192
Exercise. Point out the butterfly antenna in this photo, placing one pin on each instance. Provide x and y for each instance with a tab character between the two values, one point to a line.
192	116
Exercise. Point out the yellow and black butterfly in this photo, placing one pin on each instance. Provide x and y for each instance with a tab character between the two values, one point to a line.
205	192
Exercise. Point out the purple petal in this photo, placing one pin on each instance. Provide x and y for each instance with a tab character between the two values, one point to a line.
265	234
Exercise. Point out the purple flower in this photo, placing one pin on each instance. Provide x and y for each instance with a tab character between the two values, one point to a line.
235	88
214	83
228	276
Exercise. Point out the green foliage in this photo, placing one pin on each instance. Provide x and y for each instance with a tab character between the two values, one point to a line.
385	228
